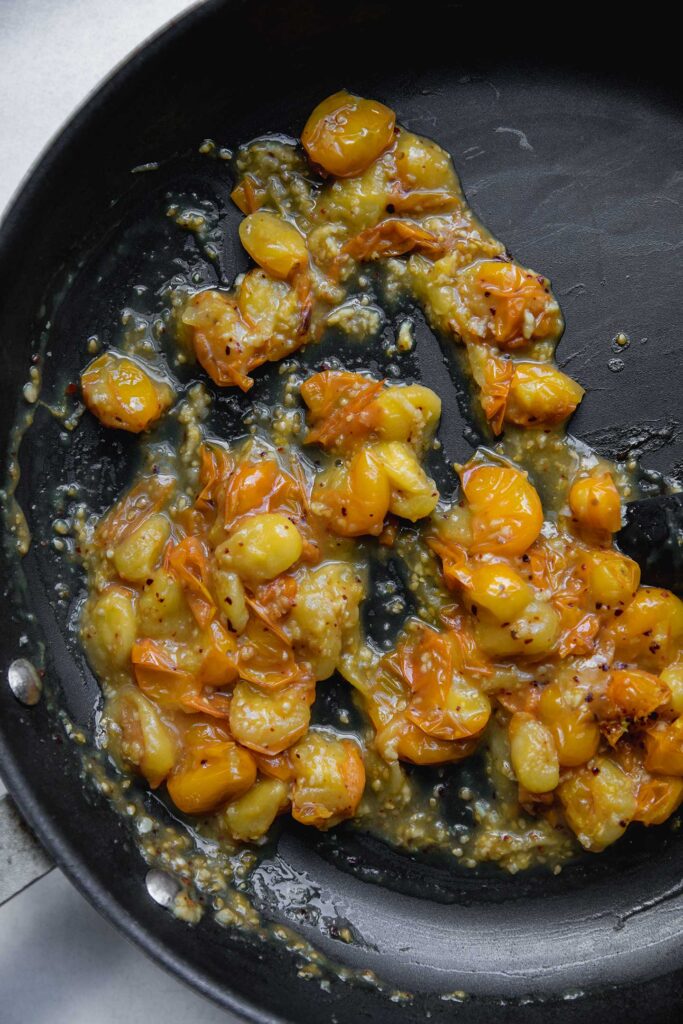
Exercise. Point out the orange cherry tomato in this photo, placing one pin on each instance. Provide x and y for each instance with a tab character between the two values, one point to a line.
341	407
360	504
664	748
346	133
506	511
122	394
649	630
636	694
214	770
595	503
443	703
658	798
540	393
503	304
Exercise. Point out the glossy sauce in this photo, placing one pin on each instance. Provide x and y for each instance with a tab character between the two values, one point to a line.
226	587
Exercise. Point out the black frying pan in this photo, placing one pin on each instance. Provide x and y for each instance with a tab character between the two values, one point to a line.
568	134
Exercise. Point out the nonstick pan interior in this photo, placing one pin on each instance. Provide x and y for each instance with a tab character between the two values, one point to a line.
576	166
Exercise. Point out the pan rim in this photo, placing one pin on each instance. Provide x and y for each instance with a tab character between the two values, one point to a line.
48	830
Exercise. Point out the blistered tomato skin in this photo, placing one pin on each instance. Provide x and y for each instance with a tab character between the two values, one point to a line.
345	134
502	304
637	694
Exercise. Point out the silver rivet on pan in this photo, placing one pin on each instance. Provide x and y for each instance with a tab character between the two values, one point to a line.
24	681
161	887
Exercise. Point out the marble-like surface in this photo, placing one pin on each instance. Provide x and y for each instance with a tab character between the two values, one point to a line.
60	962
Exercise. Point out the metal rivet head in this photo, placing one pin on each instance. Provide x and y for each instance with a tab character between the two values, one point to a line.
24	681
161	887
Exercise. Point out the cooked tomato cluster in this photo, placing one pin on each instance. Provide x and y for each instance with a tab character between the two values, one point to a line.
582	661
216	608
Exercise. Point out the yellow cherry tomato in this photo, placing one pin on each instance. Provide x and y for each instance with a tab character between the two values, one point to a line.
540	393
251	816
214	770
424	165
664	748
269	721
329	779
531	633
136	557
109	628
273	243
413	493
565	712
595	503
650	629
612	578
500	590
408	413
143	738
345	134
506	511
599	802
444	703
358	502
262	547
658	798
418	747
672	676
122	394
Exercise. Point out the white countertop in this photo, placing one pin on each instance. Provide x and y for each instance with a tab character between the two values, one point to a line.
60	963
